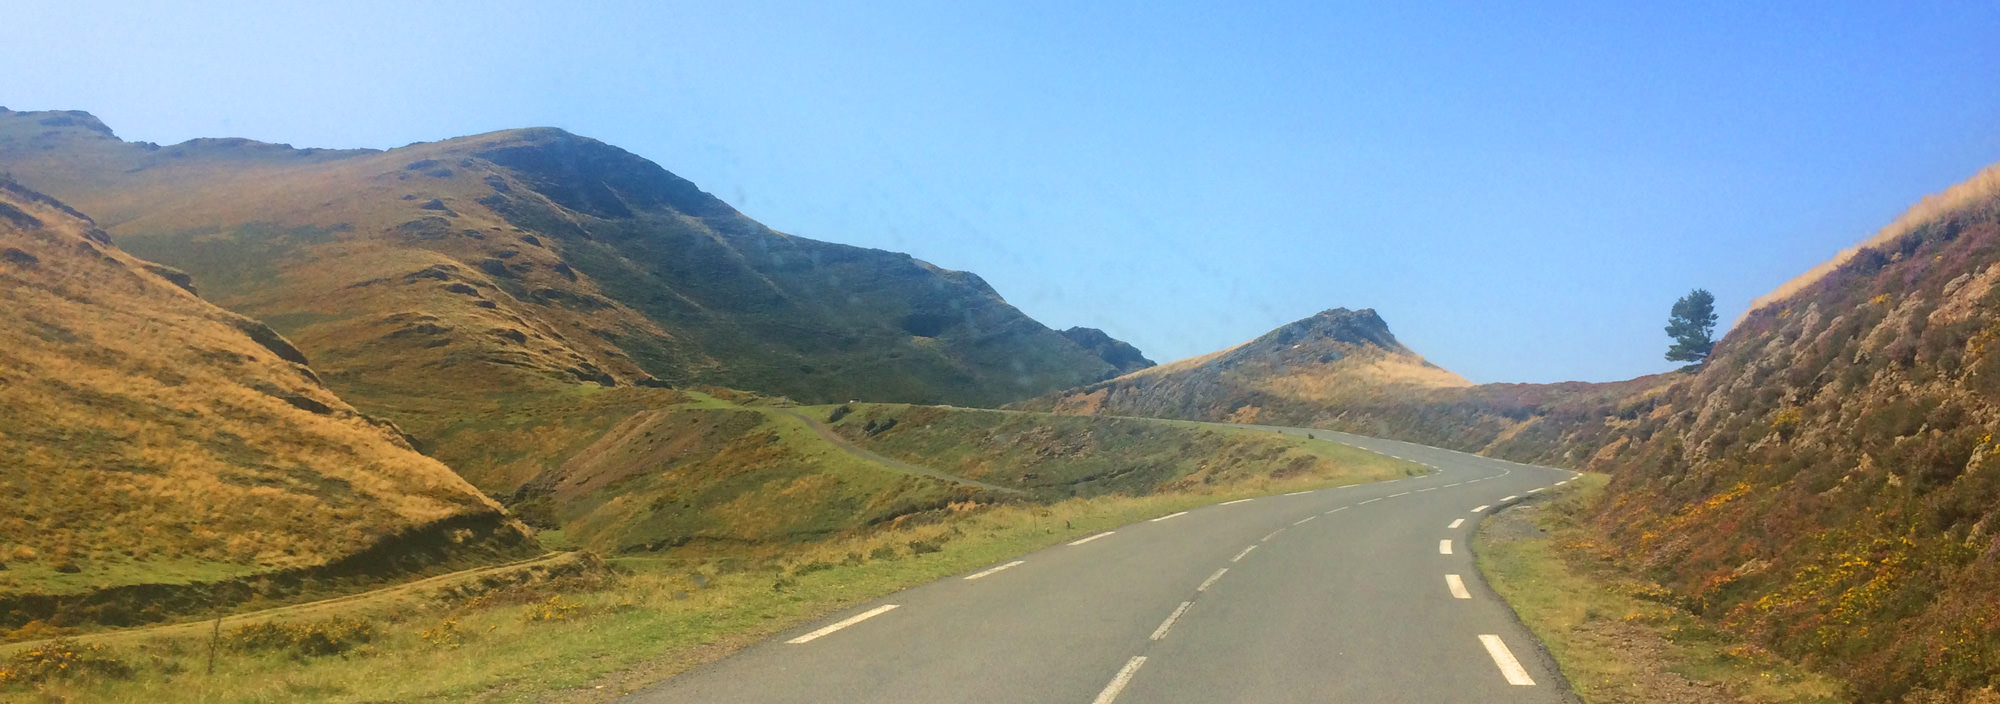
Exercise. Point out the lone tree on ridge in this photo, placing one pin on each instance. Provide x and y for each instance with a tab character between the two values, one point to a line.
1691	324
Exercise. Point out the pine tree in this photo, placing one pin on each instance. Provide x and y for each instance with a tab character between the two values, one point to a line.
1691	324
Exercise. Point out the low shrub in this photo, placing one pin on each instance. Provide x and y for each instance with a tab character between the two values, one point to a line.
334	636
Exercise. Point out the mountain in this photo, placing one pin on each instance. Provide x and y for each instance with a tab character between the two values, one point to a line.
163	453
1829	481
508	261
1121	355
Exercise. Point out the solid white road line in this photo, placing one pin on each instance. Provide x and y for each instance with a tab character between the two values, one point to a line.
1210	582
1110	693
977	575
1296	493
1444	547
863	616
1302	521
1452	582
1168	624
1238	501
1170	515
1510	498
1457	523
1481	508
1240	555
1509	667
1094	537
1370	501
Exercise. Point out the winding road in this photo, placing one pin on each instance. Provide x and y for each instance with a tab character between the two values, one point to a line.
1363	593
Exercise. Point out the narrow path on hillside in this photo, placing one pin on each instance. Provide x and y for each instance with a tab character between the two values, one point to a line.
826	433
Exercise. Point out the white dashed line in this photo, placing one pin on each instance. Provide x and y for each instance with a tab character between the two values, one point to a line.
1302	521
1238	501
1444	547
1338	510
1210	582
1560	483
1537	491
821	633
1296	493
1509	667
1094	537
1448	486
977	575
1240	555
1170	515
1273	534
1451	581
1370	501
1481	509
1510	498
1429	489
1168	624
1110	693
1457	523
1402	494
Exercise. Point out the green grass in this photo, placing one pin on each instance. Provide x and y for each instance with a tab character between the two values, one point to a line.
1620	639
665	613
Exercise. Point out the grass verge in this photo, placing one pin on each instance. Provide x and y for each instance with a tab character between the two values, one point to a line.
1620	639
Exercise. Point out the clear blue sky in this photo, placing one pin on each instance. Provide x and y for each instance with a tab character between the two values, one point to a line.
1522	193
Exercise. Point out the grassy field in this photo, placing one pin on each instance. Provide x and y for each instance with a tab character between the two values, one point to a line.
594	633
1619	639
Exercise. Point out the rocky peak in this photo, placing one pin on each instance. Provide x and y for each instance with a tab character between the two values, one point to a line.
1115	352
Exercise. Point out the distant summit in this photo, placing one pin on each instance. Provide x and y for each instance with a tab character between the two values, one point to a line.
1296	372
1121	355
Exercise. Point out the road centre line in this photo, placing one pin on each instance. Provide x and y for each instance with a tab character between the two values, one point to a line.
1094	537
1370	501
1210	582
1302	521
1537	491
1452	582
1448	486
1427	489
1238	501
1444	547
1504	658
1509	498
821	633
1240	555
1296	493
1165	517
1402	494
1457	523
1168	624
1338	510
1481	509
1110	693
1560	483
1273	534
977	575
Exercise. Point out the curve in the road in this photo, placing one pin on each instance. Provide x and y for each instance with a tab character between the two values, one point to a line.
1357	593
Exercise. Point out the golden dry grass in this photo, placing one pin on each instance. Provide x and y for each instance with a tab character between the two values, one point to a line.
150	439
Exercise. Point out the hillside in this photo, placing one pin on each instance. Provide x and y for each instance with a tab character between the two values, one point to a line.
526	260
162	452
1828	482
1344	370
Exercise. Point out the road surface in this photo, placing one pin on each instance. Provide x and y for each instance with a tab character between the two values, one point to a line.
1363	593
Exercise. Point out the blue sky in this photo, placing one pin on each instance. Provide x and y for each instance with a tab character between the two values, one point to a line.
1522	193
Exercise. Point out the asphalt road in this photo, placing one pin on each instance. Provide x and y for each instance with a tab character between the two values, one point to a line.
1357	594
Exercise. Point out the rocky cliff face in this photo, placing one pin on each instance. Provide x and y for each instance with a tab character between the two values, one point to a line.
1122	356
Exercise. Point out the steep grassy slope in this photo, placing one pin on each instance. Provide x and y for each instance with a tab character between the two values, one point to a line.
154	439
1830	482
1344	370
527	260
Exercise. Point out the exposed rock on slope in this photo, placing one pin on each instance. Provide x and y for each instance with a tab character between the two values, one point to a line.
1121	355
151	438
1830	481
528	258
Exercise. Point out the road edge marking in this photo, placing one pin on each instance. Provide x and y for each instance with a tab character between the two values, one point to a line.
1505	660
1444	547
1457	586
829	630
1456	523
